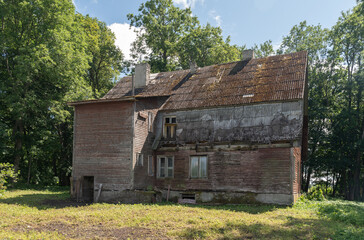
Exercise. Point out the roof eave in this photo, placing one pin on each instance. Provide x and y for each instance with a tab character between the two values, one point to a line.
101	101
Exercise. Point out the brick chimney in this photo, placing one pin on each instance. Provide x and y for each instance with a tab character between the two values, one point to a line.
248	54
142	73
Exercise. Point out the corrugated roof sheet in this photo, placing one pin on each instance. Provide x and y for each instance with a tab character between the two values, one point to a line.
275	78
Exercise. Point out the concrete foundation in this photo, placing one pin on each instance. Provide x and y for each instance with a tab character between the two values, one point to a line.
233	197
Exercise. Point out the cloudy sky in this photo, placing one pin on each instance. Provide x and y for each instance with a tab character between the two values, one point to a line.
246	21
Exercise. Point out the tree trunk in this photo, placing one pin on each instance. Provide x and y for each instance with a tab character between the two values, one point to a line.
308	179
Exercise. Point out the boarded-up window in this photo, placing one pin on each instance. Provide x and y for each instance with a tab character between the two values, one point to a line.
165	167
198	167
139	159
150	166
169	129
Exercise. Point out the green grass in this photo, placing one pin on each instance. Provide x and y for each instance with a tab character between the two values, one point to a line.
49	214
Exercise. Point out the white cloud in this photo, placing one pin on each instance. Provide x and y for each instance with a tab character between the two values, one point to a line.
188	3
124	37
216	17
276	45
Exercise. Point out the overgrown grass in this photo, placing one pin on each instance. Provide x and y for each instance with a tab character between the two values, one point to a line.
49	214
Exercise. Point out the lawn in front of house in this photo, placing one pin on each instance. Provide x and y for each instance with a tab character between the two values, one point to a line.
50	214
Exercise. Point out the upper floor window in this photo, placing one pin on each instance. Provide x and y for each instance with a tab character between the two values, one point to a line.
169	129
198	167
165	167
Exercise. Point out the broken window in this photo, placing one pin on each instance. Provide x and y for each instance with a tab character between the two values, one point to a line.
170	125
150	166
139	159
165	166
198	167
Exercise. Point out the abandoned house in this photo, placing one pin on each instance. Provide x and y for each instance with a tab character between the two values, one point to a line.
226	133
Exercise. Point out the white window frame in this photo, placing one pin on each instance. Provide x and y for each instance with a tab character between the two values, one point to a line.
150	166
172	125
199	167
166	168
139	160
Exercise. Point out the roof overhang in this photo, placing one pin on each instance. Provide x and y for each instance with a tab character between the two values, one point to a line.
92	101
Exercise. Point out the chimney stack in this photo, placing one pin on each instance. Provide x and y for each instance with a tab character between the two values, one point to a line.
193	67
248	54
142	73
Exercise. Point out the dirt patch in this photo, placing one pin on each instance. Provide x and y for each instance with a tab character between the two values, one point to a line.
99	231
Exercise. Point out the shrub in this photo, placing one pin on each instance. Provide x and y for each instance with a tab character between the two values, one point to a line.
6	173
316	193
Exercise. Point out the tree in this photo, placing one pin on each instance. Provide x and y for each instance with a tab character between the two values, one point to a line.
264	50
160	27
43	55
105	62
347	43
205	46
171	37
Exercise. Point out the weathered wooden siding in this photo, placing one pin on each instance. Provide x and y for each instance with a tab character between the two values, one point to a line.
259	123
259	171
143	140
103	144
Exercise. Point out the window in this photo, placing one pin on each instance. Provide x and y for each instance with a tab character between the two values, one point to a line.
150	121
165	166
169	130
198	167
139	159
150	166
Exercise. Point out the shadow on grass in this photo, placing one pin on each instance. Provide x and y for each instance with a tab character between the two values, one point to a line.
43	201
24	186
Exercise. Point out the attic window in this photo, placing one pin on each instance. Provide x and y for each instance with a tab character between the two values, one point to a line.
248	95
169	129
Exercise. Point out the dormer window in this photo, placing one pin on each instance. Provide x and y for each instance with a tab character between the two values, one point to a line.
169	129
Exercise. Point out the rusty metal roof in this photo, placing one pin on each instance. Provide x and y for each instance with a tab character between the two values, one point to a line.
275	78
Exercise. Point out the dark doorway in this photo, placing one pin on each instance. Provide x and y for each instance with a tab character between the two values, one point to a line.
88	188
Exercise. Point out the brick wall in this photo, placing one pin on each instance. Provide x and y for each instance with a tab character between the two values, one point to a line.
297	170
103	144
260	171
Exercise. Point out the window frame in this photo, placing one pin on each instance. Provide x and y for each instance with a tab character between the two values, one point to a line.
165	168
171	125
199	167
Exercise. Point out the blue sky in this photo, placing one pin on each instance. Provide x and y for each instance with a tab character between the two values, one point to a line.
246	21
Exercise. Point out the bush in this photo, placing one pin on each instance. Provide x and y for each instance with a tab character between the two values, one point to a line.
6	173
315	193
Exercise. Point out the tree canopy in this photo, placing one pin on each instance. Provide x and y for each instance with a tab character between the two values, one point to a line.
170	38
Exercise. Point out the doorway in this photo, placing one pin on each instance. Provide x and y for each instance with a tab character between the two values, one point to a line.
88	188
